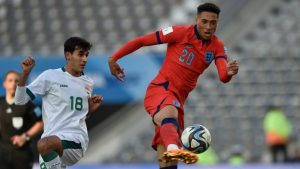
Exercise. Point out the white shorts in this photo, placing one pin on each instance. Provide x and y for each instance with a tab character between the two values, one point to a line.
71	156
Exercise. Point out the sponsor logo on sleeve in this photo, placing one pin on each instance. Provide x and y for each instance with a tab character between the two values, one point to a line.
225	51
167	30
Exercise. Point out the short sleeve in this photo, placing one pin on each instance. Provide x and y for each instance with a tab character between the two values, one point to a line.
91	88
40	86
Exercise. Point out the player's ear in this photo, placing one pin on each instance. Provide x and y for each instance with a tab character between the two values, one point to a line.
197	17
68	55
4	83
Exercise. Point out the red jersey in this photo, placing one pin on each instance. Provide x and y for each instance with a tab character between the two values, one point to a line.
186	58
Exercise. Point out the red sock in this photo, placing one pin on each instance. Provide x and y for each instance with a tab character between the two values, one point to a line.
169	134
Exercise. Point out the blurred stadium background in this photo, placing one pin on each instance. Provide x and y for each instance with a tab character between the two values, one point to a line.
263	35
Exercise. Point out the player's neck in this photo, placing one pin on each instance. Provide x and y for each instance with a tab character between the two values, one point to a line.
72	71
10	98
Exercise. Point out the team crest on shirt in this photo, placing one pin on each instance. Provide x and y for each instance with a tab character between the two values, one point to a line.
209	56
17	122
88	89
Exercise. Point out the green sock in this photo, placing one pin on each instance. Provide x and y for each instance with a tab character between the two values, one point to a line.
51	161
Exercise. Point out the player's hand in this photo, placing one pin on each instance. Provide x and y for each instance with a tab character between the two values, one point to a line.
18	140
232	68
94	103
115	69
28	64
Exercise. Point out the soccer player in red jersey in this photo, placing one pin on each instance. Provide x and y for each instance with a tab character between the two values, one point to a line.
191	49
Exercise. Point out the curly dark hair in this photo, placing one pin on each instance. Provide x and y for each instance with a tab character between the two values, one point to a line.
208	7
76	43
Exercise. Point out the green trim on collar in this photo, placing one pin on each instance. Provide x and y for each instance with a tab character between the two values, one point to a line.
64	70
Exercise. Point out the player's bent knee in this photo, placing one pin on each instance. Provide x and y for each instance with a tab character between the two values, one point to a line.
166	112
42	147
48	144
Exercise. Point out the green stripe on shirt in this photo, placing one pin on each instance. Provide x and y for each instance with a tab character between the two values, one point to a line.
30	94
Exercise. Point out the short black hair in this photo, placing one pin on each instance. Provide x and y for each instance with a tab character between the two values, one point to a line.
74	43
9	72
208	7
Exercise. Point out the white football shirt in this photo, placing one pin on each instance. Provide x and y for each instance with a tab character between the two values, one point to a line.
64	104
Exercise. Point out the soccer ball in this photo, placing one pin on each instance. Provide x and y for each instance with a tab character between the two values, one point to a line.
196	138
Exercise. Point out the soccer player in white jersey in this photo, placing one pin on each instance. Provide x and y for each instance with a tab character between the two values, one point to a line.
67	101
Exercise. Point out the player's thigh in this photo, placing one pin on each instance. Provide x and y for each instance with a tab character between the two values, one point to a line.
160	151
71	156
168	111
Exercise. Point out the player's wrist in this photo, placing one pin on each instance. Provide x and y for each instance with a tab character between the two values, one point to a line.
25	73
27	136
23	79
112	59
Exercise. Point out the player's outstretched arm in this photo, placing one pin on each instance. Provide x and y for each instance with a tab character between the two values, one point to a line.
94	103
21	97
127	48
